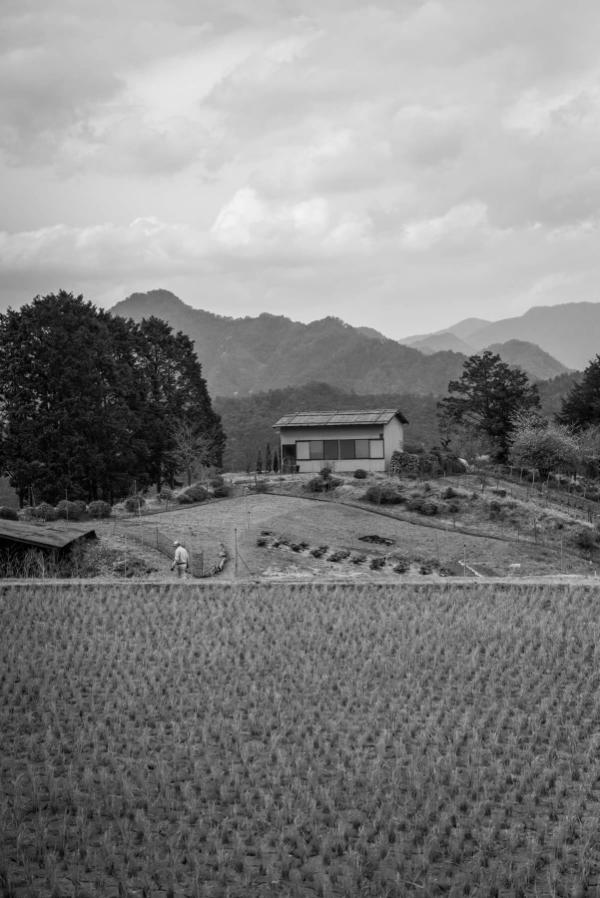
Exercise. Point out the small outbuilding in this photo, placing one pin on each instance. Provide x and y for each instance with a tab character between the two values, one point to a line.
342	440
51	536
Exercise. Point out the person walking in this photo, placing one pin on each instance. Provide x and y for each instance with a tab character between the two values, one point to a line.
181	559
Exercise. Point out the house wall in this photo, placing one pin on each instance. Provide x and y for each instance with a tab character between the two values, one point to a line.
391	433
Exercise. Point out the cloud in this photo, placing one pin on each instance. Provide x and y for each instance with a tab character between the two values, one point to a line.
249	223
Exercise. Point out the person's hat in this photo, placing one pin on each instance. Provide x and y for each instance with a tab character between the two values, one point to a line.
176	543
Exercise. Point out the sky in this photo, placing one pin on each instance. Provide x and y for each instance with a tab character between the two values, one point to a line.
399	164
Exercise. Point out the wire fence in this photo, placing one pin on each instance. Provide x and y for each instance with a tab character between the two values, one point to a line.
201	564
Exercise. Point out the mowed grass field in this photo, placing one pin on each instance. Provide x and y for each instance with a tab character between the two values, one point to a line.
299	740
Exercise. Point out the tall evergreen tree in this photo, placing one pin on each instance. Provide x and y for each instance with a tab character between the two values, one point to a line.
89	402
581	407
175	394
487	398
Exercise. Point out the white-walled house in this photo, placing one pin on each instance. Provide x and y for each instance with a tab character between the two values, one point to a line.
342	440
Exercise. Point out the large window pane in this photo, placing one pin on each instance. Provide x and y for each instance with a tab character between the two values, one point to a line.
302	450
376	448
316	450
347	449
362	448
330	449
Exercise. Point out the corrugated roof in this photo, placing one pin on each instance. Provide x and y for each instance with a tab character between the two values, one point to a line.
50	535
341	417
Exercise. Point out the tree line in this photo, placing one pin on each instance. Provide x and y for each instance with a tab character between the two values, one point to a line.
92	405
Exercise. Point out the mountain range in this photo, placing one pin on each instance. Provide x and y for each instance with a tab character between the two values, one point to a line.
570	332
242	356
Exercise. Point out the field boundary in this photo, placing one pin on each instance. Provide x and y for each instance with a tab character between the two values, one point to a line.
565	582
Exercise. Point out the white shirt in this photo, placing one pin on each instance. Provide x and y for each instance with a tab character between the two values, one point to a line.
181	556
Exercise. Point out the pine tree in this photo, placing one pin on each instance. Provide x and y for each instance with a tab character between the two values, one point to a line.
486	400
581	408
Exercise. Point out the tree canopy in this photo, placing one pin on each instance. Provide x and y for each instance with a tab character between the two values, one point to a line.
581	407
90	403
486	399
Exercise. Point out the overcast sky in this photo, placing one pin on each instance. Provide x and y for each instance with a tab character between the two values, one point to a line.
398	164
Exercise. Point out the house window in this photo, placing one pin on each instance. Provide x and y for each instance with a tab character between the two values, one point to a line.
362	448
330	450
347	449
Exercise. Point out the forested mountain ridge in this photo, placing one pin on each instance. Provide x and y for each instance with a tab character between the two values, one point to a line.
245	355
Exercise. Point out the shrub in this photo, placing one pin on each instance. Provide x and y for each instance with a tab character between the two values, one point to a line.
194	493
70	511
222	491
8	514
315	485
325	472
99	509
402	565
496	510
377	563
44	512
454	507
586	538
319	551
134	503
415	503
386	494
360	474
449	493
260	486
429	507
165	494
217	481
339	555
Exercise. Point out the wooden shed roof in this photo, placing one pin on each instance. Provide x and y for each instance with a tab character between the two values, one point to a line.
341	418
49	535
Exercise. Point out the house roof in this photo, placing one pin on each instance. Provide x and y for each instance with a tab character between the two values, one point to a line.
341	417
52	535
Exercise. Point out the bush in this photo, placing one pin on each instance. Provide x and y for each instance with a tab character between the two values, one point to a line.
402	565
377	563
339	555
165	494
449	493
99	509
134	503
260	486
386	494
429	507
315	485
360	474
44	512
217	481
222	491
319	551
586	538
8	514
194	493
70	511
415	503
